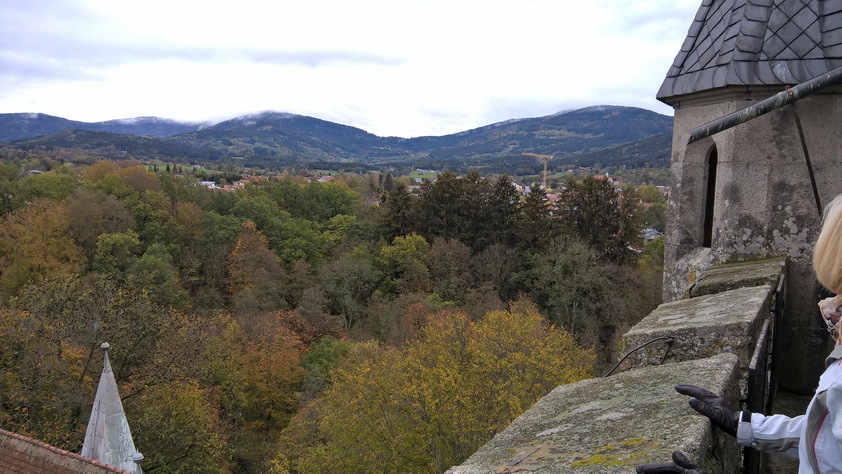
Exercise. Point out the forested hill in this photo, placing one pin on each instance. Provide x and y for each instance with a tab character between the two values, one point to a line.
24	126
584	137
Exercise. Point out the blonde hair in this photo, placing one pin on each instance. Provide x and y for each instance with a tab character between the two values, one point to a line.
827	256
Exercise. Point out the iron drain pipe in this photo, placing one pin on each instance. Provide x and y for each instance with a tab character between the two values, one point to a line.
767	105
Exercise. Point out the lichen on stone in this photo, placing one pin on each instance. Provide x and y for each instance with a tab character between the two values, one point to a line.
630	452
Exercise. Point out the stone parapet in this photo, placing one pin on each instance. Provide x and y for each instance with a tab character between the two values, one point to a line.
613	424
724	277
711	324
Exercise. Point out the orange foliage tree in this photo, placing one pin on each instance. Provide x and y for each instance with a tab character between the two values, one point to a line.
252	371
256	280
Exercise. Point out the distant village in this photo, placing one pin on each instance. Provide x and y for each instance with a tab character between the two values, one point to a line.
413	188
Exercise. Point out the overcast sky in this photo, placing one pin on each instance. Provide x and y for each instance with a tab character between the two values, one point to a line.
392	67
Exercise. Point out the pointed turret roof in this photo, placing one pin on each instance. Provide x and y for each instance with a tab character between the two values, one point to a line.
108	438
756	42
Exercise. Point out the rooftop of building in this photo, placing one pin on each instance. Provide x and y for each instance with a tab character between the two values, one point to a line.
21	454
756	42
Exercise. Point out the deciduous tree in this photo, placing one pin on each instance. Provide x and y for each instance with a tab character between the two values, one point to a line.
427	406
154	221
93	213
219	234
349	281
96	310
495	265
115	252
155	273
322	201
325	355
42	388
56	185
450	263
571	284
256	280
404	266
35	243
255	378
178	429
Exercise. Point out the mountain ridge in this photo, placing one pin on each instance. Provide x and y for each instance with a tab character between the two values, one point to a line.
270	139
16	126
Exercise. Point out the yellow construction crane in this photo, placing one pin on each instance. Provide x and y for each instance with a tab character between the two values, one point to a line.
546	158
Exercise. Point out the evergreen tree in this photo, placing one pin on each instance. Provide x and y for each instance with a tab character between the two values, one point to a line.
439	207
501	213
536	226
473	198
399	212
389	183
607	220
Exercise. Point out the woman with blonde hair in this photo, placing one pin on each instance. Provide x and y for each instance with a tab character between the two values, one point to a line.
815	438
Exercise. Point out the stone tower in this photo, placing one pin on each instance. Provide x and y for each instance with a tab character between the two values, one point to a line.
745	192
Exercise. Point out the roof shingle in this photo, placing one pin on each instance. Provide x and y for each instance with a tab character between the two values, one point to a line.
756	42
21	454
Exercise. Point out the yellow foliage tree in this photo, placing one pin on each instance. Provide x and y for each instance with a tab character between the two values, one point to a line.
35	243
430	404
250	242
178	429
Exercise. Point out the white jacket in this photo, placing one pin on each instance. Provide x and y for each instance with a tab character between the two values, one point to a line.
815	438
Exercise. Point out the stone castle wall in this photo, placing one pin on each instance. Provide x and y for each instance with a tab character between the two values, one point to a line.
614	423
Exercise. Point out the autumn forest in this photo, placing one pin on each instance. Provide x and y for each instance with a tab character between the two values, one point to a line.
300	326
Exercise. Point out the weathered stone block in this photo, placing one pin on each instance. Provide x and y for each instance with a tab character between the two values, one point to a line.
729	321
613	424
719	278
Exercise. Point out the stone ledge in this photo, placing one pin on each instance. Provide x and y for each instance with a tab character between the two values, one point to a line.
729	321
613	424
729	276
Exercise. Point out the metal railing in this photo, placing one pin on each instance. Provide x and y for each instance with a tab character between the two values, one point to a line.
762	376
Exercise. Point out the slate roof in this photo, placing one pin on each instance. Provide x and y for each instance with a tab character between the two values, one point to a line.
756	42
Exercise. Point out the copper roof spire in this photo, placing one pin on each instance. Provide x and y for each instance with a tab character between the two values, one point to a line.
108	438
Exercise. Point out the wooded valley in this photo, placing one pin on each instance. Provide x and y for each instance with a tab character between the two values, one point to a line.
293	325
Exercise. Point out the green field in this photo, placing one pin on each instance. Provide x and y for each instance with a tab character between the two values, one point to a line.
423	174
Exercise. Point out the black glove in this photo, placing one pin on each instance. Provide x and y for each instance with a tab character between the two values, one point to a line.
680	465
723	415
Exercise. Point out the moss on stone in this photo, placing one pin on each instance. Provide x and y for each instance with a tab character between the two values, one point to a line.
630	452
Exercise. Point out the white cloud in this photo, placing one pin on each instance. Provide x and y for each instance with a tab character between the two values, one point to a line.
407	68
